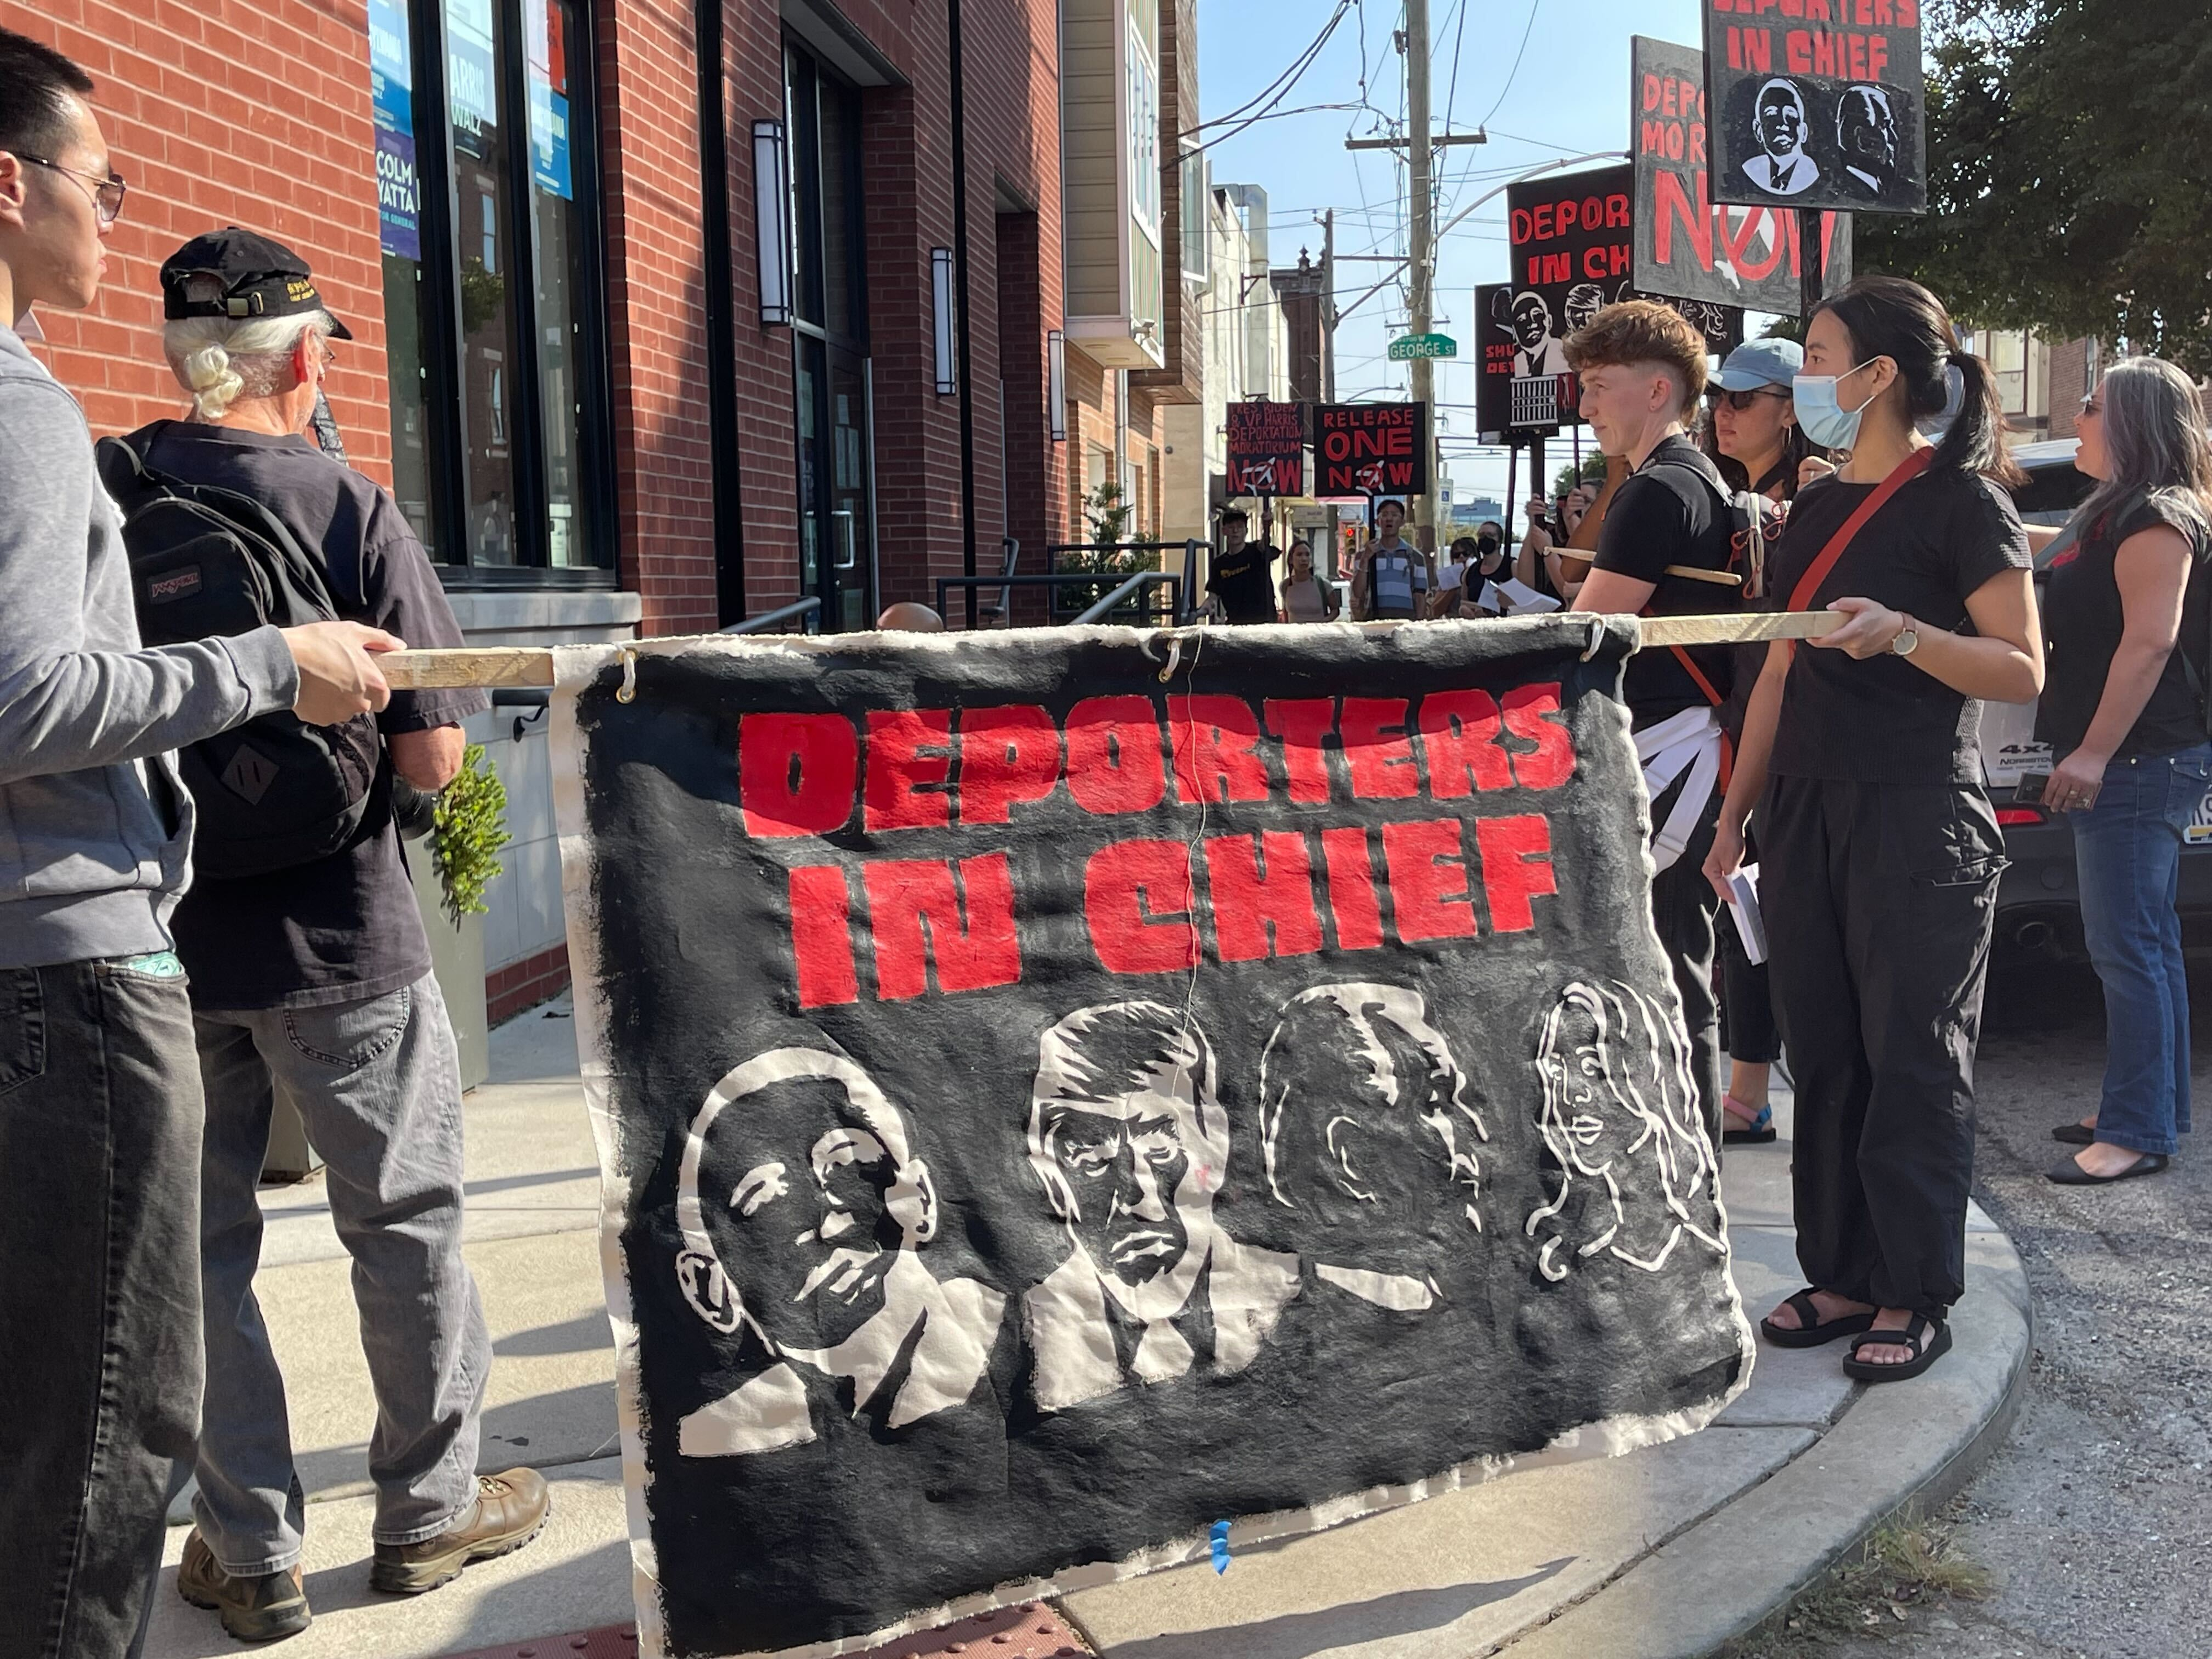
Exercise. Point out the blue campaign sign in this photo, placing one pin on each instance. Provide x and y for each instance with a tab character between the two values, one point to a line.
398	196
390	67
549	140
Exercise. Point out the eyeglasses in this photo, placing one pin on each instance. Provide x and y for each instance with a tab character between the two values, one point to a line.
2092	405
107	193
1740	401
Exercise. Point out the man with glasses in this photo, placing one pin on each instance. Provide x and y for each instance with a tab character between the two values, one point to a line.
99	1087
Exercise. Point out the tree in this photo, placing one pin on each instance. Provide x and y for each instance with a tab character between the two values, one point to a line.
2070	189
1593	472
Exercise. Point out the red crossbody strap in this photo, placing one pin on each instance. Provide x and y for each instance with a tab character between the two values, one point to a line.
1801	597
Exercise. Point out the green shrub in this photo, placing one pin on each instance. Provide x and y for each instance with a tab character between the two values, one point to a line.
467	833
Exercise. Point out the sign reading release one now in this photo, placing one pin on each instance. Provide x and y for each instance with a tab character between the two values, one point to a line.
1423	345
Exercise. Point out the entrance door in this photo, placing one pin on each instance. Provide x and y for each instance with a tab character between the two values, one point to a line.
835	526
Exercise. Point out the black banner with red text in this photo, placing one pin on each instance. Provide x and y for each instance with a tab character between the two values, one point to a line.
1266	449
1060	1090
1371	449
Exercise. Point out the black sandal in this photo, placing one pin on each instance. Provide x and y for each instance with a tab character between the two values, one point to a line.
1809	1332
2073	1134
1929	1338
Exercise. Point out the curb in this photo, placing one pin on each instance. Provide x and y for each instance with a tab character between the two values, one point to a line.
1900	1449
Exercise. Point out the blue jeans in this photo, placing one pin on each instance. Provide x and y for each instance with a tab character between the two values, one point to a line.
2127	854
378	1083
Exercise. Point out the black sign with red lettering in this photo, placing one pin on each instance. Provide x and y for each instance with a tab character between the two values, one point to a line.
1266	449
1573	250
1687	245
1063	1089
1816	104
1371	449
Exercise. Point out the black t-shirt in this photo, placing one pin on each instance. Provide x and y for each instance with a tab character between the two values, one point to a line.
2083	620
1882	720
1244	581
344	927
1669	511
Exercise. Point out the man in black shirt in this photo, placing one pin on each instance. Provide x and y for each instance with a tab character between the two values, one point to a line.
1642	370
1242	575
314	980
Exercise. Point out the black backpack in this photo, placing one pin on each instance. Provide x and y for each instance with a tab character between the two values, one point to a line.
208	562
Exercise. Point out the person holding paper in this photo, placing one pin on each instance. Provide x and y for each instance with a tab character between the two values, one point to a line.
1880	852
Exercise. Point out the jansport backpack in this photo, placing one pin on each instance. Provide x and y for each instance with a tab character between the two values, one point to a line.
208	563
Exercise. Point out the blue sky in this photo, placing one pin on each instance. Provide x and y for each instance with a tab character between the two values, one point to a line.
1568	95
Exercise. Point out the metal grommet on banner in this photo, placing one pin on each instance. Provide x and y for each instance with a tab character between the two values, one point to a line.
627	691
1596	638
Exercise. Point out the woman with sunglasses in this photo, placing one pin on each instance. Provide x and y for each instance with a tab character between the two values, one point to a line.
2127	625
1880	852
1751	434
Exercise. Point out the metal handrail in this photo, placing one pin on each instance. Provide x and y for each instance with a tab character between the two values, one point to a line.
1129	590
1009	554
777	618
1064	579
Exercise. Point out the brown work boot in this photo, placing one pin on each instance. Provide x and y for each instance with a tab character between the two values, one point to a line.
260	1609
509	1510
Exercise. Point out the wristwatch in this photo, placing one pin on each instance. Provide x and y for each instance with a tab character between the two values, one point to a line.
1907	640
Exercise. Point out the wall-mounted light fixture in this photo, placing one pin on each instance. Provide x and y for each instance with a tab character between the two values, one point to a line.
1055	384
772	222
940	294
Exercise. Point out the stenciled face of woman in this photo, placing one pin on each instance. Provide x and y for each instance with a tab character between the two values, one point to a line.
1591	1116
1747	435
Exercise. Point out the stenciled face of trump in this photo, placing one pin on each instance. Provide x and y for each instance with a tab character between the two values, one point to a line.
1130	1143
799	1191
1781	120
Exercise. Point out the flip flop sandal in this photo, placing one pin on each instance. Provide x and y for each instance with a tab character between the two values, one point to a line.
2067	1173
1809	1332
2073	1134
1758	1126
1929	1338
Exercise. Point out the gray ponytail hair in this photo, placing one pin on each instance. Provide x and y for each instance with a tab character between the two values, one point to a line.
2155	445
220	360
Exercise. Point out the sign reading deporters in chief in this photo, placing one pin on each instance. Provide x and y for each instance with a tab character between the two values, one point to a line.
1817	103
1266	449
1687	245
1371	449
1573	250
1056	1098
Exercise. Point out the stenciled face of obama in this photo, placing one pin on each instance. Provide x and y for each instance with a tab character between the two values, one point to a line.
1125	1168
1532	321
1781	120
806	1204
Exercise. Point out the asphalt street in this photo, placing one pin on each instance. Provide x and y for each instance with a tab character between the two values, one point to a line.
2094	1520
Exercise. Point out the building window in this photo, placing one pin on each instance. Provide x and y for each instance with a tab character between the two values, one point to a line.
493	277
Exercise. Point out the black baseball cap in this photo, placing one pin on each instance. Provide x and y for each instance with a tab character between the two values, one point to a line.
236	273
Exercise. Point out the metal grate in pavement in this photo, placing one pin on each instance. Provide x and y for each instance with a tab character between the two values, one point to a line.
1034	1631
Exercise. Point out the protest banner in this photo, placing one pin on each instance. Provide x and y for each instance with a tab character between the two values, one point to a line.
1816	104
1497	348
1572	248
1058	1091
1266	449
1687	245
1371	449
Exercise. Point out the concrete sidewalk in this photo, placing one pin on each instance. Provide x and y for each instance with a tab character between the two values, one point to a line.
1663	1554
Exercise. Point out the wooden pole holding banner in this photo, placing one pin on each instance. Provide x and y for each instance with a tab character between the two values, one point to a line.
491	666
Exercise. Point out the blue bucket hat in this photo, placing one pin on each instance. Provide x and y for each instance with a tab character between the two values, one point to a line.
1756	363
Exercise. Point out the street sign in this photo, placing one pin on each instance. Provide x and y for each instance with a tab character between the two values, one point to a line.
1423	345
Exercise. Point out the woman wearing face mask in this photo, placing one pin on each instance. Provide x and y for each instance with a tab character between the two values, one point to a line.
2125	624
1305	597
1752	433
1880	852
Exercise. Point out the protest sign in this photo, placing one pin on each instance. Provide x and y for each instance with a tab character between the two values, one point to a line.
1573	248
1060	1090
1497	348
1266	449
1816	104
1687	245
1371	449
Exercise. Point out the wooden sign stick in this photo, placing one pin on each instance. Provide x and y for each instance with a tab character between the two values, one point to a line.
1724	578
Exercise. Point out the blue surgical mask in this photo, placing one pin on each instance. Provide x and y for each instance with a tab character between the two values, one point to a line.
1822	419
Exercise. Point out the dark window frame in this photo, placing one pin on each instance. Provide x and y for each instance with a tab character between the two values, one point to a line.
442	345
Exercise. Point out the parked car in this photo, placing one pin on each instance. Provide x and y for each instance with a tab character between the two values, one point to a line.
2039	904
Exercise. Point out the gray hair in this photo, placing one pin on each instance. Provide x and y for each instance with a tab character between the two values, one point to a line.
2155	445
220	360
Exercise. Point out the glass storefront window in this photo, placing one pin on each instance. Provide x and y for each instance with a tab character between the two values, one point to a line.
493	259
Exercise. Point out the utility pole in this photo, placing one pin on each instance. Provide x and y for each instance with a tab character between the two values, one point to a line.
1419	253
1328	306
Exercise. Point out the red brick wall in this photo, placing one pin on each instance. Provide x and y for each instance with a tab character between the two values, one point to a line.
253	113
2069	380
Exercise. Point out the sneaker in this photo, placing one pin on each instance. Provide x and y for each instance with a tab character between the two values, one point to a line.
509	1510
264	1608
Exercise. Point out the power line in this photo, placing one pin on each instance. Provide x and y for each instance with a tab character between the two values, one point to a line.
1279	88
1527	29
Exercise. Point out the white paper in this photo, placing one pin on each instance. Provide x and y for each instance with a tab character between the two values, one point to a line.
1527	601
1743	905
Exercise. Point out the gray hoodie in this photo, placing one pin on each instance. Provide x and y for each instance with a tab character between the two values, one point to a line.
95	829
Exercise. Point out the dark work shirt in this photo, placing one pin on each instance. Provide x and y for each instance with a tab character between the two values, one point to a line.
1882	720
1669	511
1244	581
342	928
2083	620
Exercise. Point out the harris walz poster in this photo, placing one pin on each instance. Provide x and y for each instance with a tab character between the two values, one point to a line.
1060	1090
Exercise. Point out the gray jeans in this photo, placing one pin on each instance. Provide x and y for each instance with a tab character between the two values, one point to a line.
378	1083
